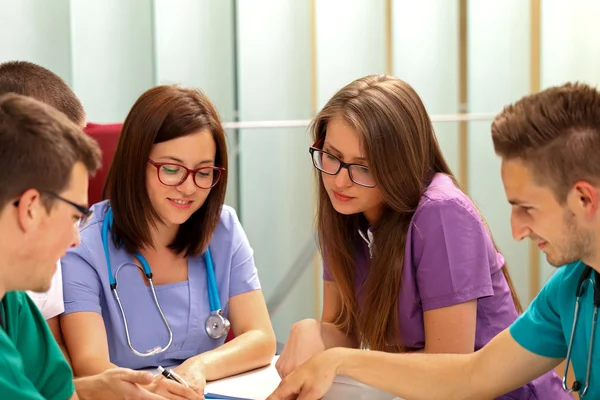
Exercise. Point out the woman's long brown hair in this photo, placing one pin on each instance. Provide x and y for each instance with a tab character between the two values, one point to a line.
398	139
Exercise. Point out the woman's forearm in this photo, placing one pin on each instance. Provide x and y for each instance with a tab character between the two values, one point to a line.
251	350
89	366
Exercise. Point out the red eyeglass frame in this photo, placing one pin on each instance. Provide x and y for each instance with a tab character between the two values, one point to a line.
188	172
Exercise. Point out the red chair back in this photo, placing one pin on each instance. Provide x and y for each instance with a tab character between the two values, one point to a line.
107	136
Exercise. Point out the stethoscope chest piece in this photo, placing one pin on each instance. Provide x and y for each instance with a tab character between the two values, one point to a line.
217	326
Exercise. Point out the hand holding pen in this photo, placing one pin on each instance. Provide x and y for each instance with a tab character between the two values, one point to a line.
171	385
172	375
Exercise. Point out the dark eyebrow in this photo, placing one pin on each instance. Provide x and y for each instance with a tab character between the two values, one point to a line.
361	159
180	161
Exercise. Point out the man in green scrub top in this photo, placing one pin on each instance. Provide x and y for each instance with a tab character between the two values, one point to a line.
549	144
45	163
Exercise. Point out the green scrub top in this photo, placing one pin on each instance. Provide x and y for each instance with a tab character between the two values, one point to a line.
32	365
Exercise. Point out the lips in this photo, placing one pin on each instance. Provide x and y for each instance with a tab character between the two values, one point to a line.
342	197
179	203
183	202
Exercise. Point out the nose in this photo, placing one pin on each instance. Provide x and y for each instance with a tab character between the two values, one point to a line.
520	230
187	187
342	179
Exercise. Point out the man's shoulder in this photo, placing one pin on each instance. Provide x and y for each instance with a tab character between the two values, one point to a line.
29	348
14	301
566	278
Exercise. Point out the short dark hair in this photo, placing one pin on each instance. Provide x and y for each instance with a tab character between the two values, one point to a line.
556	133
39	147
161	114
29	79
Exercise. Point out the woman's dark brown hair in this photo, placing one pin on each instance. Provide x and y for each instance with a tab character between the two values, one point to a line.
161	114
399	141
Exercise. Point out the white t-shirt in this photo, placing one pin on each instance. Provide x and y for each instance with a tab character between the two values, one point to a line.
51	302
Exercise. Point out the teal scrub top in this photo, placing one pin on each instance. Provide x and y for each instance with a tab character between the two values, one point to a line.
545	328
32	365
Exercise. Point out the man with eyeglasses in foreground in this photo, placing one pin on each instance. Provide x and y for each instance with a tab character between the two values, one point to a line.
45	163
549	143
32	80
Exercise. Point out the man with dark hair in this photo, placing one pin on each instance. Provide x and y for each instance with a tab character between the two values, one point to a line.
32	80
29	79
45	163
549	143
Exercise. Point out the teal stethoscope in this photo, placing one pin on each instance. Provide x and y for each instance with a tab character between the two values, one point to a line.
585	276
217	325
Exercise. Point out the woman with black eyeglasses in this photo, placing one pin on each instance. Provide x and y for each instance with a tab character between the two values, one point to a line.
164	270
409	263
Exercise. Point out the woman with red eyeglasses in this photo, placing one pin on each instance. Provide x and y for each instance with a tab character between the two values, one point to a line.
164	268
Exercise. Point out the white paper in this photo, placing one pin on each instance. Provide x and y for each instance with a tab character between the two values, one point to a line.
260	383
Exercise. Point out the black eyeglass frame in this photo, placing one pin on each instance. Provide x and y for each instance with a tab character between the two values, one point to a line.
86	212
316	148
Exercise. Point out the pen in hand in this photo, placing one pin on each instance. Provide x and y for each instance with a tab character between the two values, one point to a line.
172	375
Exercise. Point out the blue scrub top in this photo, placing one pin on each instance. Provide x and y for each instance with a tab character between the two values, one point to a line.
545	328
185	304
